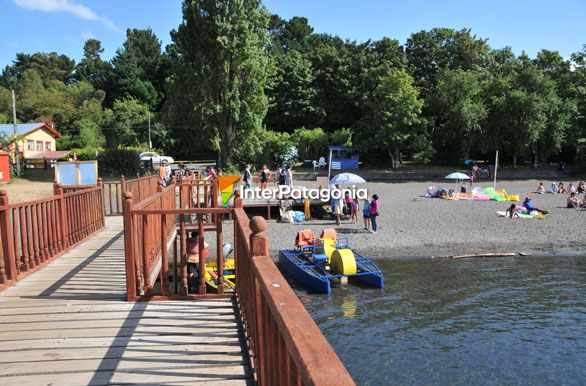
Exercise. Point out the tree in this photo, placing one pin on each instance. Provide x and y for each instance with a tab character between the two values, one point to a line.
138	69
291	93
457	108
92	68
49	66
394	116
220	73
126	122
428	52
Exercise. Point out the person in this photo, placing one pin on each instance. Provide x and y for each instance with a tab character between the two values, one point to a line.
463	189
553	188
193	259
288	176
541	188
530	207
182	172
512	211
280	176
164	172
573	201
571	188
374	207
562	189
354	212
264	175
581	188
584	202
338	205
490	171
220	174
247	177
366	214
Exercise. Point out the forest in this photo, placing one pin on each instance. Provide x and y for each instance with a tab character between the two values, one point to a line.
239	84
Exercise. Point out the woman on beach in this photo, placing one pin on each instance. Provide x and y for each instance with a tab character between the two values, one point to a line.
562	188
338	206
264	175
512	211
366	214
581	187
374	213
541	188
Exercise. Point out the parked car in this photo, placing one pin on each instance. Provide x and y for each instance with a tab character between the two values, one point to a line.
155	158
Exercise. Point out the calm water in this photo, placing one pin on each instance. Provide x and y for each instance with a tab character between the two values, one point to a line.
509	321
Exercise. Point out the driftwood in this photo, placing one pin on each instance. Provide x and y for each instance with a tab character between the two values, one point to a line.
483	255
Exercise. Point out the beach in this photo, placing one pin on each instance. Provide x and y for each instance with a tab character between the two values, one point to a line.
412	225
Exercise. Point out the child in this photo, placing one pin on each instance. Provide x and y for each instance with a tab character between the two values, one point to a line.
374	213
366	214
354	213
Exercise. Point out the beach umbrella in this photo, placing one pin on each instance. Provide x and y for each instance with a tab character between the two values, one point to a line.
457	176
347	179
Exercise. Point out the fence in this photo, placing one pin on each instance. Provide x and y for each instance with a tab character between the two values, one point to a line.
35	233
285	344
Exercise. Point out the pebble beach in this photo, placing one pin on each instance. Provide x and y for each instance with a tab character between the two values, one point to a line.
411	225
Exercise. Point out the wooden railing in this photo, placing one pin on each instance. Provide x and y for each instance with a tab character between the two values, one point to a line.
160	222
285	345
35	233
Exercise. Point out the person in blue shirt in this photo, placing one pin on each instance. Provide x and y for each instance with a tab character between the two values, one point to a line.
528	204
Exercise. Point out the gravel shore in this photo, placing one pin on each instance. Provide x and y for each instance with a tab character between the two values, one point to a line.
412	225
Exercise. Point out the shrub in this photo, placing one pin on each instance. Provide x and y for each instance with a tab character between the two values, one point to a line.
86	153
342	137
120	161
311	144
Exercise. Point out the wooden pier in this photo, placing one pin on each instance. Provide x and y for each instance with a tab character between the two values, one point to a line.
87	299
70	324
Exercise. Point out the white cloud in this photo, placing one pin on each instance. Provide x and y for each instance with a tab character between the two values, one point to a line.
69	6
87	35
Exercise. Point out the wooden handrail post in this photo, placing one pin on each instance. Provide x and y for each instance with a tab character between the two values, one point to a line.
129	248
62	241
7	264
259	241
55	187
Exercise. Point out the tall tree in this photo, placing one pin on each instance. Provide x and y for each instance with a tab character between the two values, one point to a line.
457	108
291	93
49	66
92	67
221	73
394	116
138	69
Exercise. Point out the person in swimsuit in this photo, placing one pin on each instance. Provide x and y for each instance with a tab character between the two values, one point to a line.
265	174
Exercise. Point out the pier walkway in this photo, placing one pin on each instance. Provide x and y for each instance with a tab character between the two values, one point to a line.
70	324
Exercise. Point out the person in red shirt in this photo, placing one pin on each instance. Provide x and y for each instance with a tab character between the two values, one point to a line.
374	207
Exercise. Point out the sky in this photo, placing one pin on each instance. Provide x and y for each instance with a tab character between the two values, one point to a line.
64	25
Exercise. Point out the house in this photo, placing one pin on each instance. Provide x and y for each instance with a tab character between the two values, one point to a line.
37	144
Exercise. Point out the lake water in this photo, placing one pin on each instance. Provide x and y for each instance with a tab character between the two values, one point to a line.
491	321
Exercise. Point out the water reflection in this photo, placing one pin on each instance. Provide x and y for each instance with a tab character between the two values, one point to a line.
493	321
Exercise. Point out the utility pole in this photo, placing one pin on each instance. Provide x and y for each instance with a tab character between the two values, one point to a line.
150	142
16	153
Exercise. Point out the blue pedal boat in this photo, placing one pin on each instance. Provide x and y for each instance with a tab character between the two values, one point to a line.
310	268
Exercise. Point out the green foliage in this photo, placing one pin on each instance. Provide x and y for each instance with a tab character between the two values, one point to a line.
126	122
311	144
86	153
119	161
219	73
394	116
342	137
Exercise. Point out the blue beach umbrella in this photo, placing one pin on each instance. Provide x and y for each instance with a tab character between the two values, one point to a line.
457	176
347	179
